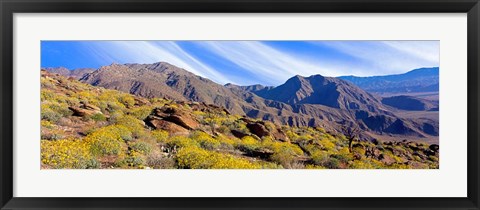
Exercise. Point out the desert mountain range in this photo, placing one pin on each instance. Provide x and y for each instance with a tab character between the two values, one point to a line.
315	101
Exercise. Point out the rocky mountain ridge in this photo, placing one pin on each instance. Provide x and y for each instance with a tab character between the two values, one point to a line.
315	101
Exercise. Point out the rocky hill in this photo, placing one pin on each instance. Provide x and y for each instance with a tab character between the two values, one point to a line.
85	126
315	101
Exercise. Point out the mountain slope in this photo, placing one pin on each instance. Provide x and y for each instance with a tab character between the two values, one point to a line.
328	91
410	103
418	80
314	101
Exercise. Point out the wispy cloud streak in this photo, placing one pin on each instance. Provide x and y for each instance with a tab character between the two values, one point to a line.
251	62
150	52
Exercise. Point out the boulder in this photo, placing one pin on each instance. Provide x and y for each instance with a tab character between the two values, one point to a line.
141	101
258	129
261	153
385	159
90	107
170	127
434	147
279	135
238	134
185	121
77	111
177	117
372	152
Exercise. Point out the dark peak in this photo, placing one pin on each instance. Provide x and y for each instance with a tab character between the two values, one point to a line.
315	76
295	79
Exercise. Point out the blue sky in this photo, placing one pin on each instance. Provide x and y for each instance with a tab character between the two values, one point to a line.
250	62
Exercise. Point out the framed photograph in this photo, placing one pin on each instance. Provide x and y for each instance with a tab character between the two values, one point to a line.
239	105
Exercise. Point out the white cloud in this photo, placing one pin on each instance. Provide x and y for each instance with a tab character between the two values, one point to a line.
259	59
271	66
387	57
151	52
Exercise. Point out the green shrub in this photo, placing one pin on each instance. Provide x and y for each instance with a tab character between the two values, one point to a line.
134	159
50	115
98	117
141	147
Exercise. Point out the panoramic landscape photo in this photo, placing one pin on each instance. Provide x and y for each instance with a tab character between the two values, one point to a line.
239	105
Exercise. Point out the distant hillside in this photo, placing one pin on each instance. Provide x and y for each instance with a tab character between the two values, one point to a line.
410	103
75	73
418	80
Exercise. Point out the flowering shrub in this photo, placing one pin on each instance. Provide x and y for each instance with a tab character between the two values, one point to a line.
134	125
205	140
285	153
67	153
197	158
181	141
248	144
46	124
160	135
141	112
107	140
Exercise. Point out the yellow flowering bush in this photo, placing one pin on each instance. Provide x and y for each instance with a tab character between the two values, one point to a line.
133	124
181	141
319	157
197	158
107	140
160	135
285	153
141	112
326	144
248	144
67	153
205	140
46	124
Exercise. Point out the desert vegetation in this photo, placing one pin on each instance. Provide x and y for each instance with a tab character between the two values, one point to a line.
88	127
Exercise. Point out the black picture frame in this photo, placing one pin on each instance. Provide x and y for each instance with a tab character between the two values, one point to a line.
10	7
